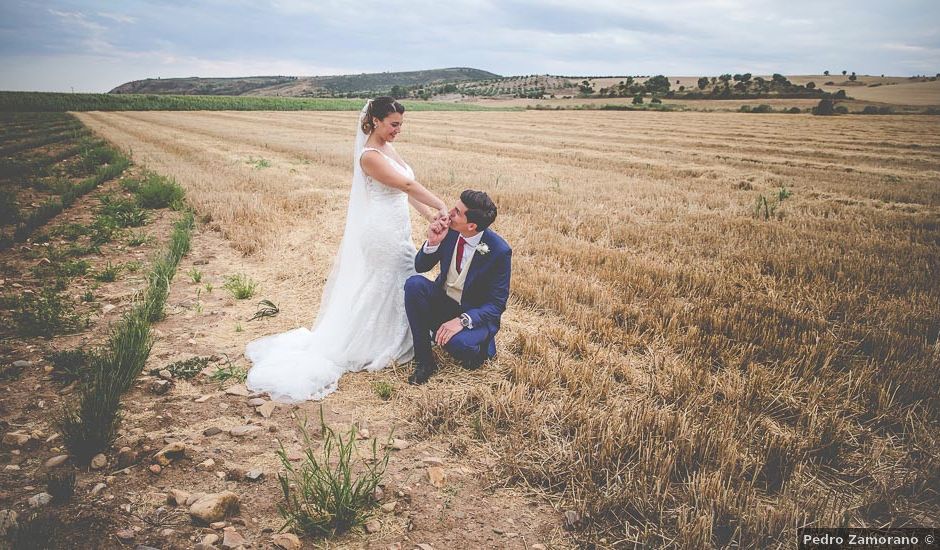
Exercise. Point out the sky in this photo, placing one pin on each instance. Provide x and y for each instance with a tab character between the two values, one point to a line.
93	46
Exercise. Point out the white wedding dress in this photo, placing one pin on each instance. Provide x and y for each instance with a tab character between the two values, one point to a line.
362	323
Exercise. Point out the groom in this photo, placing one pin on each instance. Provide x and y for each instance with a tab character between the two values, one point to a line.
463	305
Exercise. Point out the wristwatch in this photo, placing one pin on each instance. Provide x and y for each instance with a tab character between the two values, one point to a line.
465	321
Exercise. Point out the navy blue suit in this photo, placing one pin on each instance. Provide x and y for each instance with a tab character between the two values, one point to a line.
485	292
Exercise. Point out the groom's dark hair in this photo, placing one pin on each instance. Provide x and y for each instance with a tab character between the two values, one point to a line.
481	209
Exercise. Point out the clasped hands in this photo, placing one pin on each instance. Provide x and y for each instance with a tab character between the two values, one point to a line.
436	233
438	228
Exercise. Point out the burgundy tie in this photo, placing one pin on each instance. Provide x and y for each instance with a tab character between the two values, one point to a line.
460	243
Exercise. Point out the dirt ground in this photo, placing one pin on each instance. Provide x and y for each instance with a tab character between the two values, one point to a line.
467	508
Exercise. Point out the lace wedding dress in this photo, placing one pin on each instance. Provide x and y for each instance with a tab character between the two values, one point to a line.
361	324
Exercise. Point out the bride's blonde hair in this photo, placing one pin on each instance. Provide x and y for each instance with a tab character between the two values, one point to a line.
380	108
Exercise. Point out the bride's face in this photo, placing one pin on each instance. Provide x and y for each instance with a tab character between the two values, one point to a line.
389	128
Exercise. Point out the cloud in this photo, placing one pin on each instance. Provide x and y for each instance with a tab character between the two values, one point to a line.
120	18
588	37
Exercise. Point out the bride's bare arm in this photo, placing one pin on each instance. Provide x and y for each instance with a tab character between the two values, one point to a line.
379	169
426	211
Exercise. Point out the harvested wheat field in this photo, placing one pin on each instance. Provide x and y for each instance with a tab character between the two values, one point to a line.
722	327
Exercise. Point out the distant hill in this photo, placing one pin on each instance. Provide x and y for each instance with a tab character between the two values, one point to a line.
294	86
201	86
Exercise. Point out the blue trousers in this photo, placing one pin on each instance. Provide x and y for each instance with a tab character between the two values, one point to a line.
428	306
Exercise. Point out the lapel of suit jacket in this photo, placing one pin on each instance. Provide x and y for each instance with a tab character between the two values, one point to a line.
478	261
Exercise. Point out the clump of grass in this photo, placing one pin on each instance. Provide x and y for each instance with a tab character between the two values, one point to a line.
209	287
329	492
72	268
383	389
267	309
90	427
71	231
195	275
9	211
36	531
188	368
258	163
240	285
9	372
163	269
764	208
123	212
93	157
137	239
44	314
60	267
229	372
103	230
88	296
61	485
108	273
157	191
69	365
76	250
133	266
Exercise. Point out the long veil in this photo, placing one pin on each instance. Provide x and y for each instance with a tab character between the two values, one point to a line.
306	363
350	262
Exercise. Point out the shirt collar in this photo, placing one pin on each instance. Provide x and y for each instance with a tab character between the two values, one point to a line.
473	241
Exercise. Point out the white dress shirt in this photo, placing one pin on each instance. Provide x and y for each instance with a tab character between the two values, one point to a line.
468	248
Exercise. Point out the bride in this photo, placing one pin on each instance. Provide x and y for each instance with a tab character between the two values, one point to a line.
361	323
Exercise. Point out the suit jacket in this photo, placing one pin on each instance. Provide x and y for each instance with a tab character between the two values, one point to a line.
486	287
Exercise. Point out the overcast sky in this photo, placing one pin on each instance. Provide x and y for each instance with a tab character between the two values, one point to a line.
60	45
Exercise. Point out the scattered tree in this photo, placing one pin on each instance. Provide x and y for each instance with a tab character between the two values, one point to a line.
638	99
702	83
825	107
826	73
657	84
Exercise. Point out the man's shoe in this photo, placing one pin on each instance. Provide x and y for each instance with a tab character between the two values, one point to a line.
421	375
477	361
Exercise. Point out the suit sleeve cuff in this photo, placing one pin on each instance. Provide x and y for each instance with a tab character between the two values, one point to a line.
428	249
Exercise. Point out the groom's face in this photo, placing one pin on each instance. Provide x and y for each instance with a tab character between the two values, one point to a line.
458	219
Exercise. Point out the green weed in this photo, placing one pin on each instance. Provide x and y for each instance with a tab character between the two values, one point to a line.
44	314
383	389
229	372
267	309
240	285
69	365
329	492
157	191
188	368
137	239
108	273
258	163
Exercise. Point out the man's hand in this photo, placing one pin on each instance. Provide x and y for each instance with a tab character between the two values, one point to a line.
437	231
447	331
